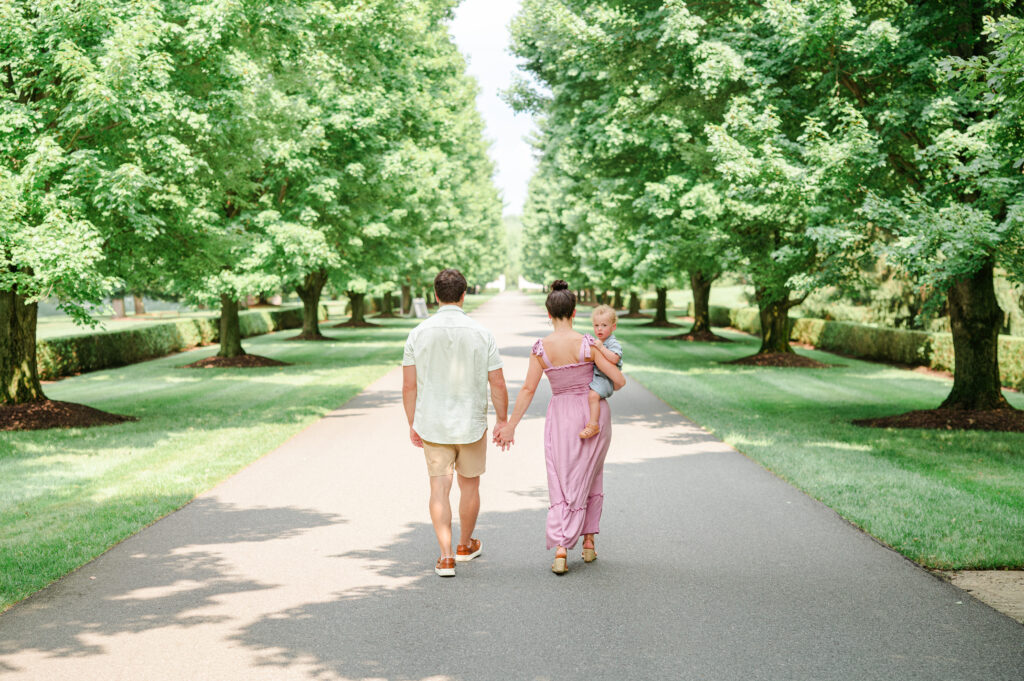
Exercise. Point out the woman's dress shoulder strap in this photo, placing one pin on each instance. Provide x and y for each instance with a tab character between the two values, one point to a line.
588	340
538	349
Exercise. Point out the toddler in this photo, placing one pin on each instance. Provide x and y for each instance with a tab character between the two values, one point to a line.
604	319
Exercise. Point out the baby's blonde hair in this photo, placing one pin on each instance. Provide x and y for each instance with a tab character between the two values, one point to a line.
604	310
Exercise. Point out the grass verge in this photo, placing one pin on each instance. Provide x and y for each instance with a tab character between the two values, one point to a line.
945	499
66	496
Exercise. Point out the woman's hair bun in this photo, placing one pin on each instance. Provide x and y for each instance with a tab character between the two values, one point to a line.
559	285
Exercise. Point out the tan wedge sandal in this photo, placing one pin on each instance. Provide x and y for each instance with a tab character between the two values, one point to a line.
561	564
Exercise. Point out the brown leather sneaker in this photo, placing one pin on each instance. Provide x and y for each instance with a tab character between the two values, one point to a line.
445	567
464	553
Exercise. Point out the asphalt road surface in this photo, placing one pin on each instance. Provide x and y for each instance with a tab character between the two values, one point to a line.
316	562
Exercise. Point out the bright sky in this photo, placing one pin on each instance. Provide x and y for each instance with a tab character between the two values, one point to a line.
480	30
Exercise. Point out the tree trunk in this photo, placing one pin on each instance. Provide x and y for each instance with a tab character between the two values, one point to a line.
775	325
617	299
230	328
309	291
19	375
140	306
406	299
634	304
357	301
701	286
661	311
388	305
117	302
975	318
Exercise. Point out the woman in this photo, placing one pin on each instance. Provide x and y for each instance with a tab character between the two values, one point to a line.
575	466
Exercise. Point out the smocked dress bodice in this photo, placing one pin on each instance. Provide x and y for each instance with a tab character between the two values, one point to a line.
569	379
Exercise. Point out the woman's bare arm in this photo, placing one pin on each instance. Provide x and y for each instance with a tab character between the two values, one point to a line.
529	389
505	435
610	370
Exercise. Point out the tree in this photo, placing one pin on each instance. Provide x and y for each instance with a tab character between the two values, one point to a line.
622	106
783	191
946	211
83	103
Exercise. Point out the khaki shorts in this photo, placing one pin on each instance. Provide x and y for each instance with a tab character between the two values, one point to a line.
469	459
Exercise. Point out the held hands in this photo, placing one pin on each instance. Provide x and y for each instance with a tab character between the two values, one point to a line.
504	434
415	438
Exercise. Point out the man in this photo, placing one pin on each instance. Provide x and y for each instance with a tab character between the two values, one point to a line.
450	360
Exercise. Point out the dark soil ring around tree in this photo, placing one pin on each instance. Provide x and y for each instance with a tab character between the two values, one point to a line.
46	414
304	337
239	362
699	337
781	359
355	325
1004	420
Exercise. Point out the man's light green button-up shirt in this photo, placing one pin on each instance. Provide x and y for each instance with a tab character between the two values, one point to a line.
452	355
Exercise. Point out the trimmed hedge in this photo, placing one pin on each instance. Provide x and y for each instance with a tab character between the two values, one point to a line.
869	342
916	348
1011	358
67	355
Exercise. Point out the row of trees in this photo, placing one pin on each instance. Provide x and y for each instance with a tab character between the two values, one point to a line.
797	142
213	150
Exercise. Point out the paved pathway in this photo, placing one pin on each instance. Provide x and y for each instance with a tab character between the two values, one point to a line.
316	563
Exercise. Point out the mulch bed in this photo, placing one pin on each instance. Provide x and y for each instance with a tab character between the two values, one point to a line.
305	337
355	325
1005	420
47	414
699	337
781	359
240	362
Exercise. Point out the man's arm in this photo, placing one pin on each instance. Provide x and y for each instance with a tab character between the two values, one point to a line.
409	401
499	396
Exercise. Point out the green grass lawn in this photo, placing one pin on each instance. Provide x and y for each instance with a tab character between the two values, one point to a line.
945	499
66	496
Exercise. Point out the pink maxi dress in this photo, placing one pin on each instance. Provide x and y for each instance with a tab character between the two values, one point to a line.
575	466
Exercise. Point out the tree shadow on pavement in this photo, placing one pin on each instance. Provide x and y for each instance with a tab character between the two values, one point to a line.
148	587
706	574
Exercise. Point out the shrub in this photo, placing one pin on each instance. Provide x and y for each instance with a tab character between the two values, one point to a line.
718	315
1011	358
902	346
860	340
746	319
1011	362
67	355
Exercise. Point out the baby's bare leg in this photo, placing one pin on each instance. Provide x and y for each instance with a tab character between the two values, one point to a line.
592	429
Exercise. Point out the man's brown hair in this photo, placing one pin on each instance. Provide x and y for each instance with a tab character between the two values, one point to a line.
449	285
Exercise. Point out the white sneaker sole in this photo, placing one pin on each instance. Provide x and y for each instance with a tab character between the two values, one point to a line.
445	572
469	557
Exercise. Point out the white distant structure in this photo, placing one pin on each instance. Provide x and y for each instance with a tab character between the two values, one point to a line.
498	283
419	308
528	285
